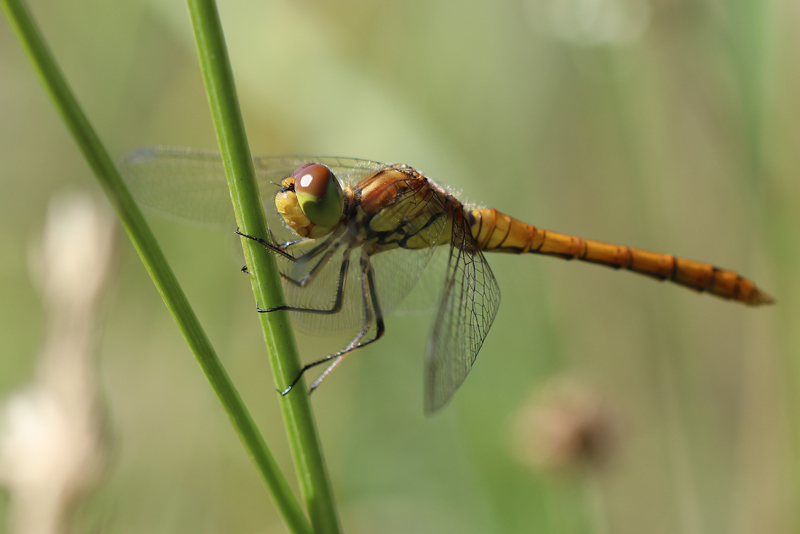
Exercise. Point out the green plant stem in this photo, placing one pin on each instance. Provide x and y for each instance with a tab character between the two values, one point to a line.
278	334
153	258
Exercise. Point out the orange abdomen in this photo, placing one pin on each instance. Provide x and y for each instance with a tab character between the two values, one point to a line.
497	232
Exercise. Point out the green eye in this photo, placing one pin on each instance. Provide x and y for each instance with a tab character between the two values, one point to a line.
319	194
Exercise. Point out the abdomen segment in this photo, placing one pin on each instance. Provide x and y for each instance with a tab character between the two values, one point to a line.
498	232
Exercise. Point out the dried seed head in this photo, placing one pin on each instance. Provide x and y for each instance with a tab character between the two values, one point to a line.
563	426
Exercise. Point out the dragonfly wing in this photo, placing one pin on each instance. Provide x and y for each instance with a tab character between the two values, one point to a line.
425	295
468	305
183	184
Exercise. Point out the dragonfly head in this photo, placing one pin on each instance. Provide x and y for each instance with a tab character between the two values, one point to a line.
311	200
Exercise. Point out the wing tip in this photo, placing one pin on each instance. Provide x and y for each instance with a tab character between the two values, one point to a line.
436	396
434	406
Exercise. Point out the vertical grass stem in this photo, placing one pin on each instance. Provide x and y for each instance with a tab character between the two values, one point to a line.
279	337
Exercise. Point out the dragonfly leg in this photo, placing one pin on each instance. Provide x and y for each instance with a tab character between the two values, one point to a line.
266	244
309	277
288	245
370	297
302	372
337	304
337	356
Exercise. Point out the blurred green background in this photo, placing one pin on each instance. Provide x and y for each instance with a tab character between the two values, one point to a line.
672	126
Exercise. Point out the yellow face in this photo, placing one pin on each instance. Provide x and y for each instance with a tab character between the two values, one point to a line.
289	208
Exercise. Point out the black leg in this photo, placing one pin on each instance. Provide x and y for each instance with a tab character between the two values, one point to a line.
337	304
266	244
310	275
370	297
305	257
368	289
314	270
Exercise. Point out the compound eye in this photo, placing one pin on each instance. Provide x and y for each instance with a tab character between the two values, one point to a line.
319	194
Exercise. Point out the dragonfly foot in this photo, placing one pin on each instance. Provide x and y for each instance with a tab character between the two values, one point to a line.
285	391
260	310
245	270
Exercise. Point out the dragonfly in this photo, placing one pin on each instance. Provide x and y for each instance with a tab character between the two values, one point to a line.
359	239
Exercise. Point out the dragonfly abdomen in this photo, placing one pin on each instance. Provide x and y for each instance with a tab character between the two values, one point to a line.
497	232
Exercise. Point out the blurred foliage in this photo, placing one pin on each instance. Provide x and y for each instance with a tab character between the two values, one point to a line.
669	126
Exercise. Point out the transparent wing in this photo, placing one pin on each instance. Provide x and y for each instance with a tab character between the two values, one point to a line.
190	185
468	305
425	295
